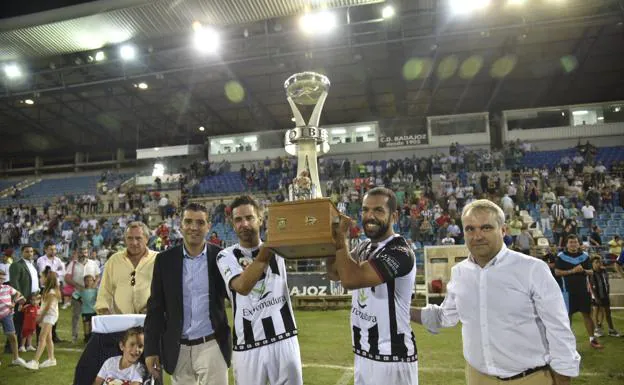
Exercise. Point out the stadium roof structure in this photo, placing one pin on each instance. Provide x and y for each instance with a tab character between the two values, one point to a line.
426	60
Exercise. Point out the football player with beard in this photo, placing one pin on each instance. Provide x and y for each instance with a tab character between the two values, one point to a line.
266	348
381	272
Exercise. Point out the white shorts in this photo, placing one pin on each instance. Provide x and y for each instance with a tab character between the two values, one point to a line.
370	372
49	319
277	364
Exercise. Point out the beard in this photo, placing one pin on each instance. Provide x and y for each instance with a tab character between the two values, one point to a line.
247	234
382	228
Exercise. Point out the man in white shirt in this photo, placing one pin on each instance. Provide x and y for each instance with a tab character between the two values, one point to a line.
56	265
4	266
162	206
76	271
549	197
514	320
588	214
508	206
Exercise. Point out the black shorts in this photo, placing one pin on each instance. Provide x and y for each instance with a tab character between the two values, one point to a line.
601	302
580	301
87	317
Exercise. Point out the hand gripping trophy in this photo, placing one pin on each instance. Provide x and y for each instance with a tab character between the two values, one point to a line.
302	228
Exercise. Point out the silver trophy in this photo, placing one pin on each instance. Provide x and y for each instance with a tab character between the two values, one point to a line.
306	140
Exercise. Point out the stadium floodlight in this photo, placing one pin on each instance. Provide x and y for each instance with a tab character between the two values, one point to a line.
318	23
388	12
127	52
363	129
226	141
338	131
142	86
100	55
29	101
580	112
467	6
201	128
205	40
250	139
12	71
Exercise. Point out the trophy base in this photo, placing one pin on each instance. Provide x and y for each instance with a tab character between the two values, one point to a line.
302	229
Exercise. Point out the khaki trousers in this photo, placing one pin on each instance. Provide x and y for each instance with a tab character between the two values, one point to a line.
541	377
201	364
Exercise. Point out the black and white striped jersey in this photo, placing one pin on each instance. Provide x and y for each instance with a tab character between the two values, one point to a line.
380	315
265	315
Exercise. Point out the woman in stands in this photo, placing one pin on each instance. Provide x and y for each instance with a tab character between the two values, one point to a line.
51	295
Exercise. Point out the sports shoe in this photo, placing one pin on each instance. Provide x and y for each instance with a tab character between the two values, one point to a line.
19	361
47	363
595	344
31	349
65	305
22	349
614	333
32	365
598	332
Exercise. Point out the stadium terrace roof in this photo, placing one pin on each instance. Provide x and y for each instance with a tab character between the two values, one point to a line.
424	61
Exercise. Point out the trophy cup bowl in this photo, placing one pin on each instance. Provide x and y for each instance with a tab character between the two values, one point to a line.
306	88
303	227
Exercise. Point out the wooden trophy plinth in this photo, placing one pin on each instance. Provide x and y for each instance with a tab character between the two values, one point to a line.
302	229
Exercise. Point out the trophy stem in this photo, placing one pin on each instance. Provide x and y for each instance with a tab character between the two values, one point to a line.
316	113
307	161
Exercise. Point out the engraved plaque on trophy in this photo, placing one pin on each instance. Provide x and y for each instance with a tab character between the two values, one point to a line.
302	227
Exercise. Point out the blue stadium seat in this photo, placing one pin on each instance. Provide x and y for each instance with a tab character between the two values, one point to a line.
611	231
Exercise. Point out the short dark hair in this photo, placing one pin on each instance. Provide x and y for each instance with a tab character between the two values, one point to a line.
245	200
197	207
47	244
24	247
572	236
386	192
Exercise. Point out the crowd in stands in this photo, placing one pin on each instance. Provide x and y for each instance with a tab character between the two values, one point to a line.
431	192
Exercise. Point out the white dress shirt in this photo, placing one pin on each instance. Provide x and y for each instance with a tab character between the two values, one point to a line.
512	313
56	265
34	276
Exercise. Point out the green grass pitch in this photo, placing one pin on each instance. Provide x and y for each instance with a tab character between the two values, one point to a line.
327	359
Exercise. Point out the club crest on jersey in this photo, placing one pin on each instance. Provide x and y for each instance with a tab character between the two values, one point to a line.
244	262
362	297
258	290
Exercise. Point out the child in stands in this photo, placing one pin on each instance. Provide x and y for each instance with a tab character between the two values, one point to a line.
127	368
87	297
31	311
51	295
600	297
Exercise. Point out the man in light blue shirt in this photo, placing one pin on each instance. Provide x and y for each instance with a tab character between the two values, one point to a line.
195	299
186	327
